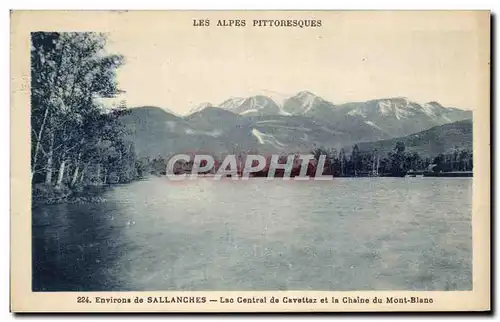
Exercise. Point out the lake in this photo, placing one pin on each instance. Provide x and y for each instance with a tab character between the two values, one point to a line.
344	234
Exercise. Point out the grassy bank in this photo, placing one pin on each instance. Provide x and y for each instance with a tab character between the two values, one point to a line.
47	194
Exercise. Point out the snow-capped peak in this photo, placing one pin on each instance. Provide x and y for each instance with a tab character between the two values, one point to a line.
259	102
232	103
305	95
384	107
301	103
435	104
254	105
307	103
399	107
307	99
432	108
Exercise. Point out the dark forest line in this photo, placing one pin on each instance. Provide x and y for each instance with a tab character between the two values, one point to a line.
355	163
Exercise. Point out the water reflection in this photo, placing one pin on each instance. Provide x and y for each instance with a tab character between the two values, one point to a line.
75	247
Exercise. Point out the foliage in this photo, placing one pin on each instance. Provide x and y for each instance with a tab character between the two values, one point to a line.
395	163
75	139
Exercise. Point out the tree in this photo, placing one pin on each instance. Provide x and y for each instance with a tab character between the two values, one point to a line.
439	163
397	158
413	161
71	131
342	161
463	160
356	160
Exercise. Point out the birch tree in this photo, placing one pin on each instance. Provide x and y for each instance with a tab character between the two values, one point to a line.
70	128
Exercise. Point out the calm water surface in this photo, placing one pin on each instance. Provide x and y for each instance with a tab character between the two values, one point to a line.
345	234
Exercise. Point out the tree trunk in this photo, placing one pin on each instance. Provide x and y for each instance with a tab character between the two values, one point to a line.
50	157
60	176
75	176
82	176
98	173
38	142
42	127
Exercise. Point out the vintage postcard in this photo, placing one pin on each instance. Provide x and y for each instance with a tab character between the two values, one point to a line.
250	161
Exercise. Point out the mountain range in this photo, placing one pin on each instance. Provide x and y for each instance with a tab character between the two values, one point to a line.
260	125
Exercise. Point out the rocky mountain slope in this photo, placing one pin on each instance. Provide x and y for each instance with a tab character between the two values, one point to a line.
304	121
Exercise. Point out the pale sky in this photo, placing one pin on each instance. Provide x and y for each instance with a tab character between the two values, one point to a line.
352	57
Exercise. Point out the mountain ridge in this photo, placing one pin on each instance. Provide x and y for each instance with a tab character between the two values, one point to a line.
395	116
303	122
431	142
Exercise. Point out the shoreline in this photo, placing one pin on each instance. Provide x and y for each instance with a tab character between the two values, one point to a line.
48	195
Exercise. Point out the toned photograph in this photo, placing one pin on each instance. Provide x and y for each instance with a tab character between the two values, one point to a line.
255	151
